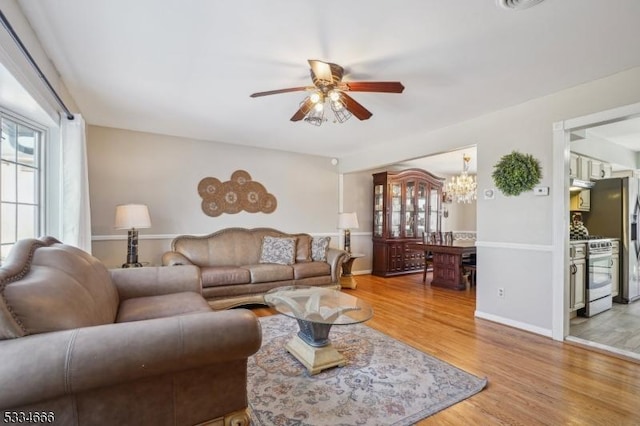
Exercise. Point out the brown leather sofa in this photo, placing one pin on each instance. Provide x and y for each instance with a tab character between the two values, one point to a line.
82	345
232	274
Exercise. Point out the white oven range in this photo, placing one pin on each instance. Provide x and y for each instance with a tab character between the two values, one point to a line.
598	282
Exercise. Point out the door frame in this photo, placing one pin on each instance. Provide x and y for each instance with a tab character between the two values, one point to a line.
560	226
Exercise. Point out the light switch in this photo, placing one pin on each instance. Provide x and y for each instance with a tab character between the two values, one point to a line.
541	190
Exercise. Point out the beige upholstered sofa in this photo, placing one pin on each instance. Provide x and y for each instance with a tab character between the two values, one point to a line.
82	345
236	271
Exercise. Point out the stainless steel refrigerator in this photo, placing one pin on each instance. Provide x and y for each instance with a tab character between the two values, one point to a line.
614	213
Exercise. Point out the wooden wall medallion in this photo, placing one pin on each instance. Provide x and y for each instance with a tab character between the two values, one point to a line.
235	195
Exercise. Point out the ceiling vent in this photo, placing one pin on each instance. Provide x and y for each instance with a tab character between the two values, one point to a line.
517	4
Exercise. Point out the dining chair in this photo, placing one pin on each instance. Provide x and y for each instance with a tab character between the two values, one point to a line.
469	266
448	237
435	237
428	256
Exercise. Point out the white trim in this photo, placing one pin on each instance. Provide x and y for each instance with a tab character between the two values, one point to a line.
603	117
123	237
515	246
361	234
603	348
140	237
515	324
560	229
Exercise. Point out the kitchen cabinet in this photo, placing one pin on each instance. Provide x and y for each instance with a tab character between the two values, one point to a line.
585	168
577	276
615	268
578	167
573	166
599	170
581	201
406	204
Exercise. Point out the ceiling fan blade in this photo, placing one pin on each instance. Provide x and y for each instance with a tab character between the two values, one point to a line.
275	92
355	108
373	86
303	110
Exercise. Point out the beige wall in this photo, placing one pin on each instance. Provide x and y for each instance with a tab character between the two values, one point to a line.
164	171
460	216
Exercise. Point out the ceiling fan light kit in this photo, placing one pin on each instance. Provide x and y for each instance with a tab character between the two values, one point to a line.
328	88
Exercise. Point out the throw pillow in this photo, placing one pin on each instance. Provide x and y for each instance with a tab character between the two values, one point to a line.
303	248
319	248
278	250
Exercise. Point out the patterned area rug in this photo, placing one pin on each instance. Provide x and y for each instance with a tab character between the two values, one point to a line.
385	382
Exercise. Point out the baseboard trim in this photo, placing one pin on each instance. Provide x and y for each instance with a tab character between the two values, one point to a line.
515	324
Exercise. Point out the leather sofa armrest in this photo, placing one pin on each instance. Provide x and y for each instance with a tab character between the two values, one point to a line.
155	281
173	258
335	258
50	365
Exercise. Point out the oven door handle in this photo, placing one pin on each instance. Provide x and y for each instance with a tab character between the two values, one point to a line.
599	256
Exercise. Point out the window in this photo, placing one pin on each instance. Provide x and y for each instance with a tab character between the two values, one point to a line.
20	182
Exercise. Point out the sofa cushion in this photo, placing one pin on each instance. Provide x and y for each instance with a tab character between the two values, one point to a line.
58	287
224	275
278	250
310	269
303	248
166	305
319	248
266	272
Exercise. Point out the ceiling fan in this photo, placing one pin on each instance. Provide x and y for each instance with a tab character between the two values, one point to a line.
328	88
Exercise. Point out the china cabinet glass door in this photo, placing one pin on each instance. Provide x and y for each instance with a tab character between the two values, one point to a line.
422	209
409	210
396	209
378	212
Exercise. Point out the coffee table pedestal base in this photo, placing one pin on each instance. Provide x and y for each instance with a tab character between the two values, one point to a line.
315	359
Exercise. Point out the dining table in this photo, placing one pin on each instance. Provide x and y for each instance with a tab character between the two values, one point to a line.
447	261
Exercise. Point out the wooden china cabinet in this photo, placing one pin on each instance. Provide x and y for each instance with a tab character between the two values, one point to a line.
405	204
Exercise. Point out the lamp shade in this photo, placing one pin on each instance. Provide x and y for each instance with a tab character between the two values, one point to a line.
132	216
347	221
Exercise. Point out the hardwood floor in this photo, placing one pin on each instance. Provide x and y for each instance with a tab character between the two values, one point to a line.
533	380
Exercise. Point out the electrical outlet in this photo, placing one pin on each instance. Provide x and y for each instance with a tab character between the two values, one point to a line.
501	293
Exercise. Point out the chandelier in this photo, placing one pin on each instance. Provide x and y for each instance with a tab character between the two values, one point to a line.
320	102
463	188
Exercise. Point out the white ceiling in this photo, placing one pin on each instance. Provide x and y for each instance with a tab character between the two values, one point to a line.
625	133
187	67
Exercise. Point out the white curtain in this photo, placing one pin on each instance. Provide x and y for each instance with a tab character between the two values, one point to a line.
75	208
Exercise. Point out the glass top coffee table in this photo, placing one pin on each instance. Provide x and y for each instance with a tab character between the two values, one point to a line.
317	309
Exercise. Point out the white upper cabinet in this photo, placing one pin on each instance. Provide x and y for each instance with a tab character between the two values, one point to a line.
599	170
573	166
585	168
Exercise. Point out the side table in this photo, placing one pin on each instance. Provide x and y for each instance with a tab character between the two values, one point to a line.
347	280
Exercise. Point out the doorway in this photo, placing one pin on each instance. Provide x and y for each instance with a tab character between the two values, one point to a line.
614	137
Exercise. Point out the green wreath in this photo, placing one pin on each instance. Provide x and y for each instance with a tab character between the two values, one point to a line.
516	173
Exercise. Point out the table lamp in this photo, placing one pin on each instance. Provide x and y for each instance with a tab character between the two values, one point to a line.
132	217
347	221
